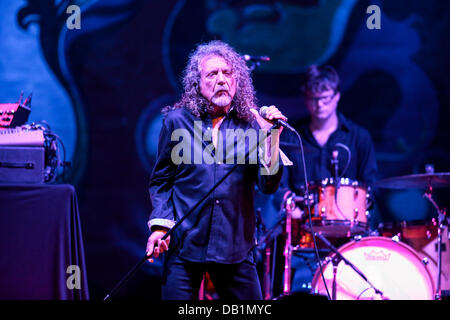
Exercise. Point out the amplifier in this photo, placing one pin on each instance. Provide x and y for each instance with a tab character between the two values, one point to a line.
22	164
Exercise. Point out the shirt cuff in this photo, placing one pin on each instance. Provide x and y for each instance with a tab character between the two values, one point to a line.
284	159
165	223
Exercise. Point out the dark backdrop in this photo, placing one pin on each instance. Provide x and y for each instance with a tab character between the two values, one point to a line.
102	87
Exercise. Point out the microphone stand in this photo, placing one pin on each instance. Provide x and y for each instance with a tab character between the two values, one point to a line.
338	257
141	262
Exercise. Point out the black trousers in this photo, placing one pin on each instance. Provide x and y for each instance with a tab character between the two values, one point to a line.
182	279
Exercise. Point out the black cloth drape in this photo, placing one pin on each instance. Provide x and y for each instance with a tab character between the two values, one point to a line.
40	237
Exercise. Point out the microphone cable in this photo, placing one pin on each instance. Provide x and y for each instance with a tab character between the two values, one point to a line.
339	176
316	251
349	157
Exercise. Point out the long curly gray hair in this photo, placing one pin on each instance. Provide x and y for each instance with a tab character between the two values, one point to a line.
194	101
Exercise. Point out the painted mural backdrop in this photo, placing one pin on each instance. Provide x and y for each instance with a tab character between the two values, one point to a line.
101	88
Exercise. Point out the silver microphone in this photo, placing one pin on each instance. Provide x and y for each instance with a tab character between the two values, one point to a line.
279	122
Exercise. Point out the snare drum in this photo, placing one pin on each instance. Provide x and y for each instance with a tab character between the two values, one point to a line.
341	214
394	268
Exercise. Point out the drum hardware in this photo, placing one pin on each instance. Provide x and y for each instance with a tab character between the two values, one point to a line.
330	219
265	253
397	269
427	181
356	214
290	205
416	181
266	280
337	211
285	217
417	233
262	244
441	220
395	235
340	224
265	238
294	199
336	259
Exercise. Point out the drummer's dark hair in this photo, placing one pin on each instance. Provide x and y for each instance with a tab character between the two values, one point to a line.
319	78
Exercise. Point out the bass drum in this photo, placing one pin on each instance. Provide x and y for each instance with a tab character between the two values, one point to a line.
393	267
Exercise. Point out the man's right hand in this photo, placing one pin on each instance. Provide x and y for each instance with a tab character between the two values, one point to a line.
155	245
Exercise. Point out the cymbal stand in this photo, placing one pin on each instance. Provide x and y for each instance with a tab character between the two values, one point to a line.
441	221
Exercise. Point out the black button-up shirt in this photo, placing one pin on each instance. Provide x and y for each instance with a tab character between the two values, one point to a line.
362	166
222	228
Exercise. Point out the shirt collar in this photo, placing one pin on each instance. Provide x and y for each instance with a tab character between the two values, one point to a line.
343	123
232	110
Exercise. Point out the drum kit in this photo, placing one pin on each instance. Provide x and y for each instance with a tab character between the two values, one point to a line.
397	261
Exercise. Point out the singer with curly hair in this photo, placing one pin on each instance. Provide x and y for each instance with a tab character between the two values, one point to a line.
219	236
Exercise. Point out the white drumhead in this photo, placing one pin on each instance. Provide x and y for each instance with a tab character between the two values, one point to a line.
392	267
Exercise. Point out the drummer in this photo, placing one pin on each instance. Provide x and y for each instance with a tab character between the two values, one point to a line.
327	133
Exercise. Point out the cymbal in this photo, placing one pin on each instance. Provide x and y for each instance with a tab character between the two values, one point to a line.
419	181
